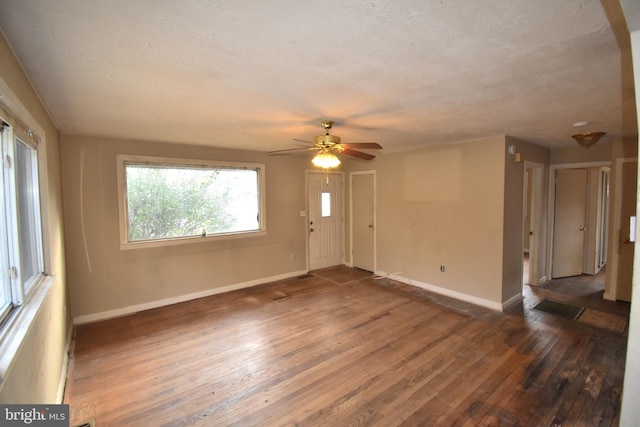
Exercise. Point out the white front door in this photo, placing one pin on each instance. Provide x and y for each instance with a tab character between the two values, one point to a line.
325	220
569	223
362	220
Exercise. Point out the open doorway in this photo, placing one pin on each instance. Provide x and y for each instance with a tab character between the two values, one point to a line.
579	217
533	223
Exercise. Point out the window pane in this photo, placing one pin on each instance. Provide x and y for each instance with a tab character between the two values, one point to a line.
29	234
325	202
170	202
5	282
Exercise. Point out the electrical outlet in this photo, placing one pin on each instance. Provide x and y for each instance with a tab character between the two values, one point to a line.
442	268
293	257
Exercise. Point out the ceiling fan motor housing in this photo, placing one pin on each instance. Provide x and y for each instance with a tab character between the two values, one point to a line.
326	140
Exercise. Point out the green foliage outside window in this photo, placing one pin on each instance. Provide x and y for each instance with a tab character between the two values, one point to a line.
169	202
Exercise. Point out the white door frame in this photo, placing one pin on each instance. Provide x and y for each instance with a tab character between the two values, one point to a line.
552	202
375	222
306	201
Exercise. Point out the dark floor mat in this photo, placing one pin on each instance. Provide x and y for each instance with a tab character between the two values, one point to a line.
563	309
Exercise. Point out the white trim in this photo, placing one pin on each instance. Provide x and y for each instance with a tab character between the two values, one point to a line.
512	301
585	165
123	159
12	104
493	305
19	326
64	369
308	172
89	318
602	213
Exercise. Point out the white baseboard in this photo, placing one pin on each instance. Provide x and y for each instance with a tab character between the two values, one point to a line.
512	301
88	318
62	382
493	305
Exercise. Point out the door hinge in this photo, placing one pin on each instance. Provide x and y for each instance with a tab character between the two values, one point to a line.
6	161
13	273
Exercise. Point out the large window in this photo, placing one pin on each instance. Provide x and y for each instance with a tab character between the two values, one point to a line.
168	201
20	228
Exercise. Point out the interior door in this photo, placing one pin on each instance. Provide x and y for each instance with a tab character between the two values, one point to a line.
627	248
326	220
363	221
569	222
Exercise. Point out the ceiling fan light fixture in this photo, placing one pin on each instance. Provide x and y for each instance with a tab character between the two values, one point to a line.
326	160
587	139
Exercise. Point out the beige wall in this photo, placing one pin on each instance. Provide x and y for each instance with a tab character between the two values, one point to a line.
514	213
630	410
621	149
105	280
459	206
575	154
39	368
443	206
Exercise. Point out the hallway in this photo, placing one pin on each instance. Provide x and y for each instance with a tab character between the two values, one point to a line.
585	291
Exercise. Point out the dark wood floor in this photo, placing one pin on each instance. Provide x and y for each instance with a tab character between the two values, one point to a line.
340	348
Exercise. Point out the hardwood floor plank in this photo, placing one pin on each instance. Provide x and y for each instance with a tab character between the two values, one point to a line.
337	347
412	365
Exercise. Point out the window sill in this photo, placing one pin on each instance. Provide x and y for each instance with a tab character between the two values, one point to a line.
193	239
19	324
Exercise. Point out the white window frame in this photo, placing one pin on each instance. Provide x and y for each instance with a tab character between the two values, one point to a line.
124	159
20	290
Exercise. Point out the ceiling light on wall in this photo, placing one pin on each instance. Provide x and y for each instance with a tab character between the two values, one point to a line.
326	160
587	139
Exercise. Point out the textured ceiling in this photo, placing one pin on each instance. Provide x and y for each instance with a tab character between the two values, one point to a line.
253	75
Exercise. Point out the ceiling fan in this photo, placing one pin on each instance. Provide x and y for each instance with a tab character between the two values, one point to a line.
328	146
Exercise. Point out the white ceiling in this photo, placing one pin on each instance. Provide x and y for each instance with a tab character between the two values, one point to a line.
254	74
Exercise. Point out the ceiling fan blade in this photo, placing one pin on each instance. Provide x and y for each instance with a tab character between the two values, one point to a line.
302	140
358	154
363	145
290	151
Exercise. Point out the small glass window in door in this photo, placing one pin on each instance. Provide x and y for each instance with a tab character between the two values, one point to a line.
325	205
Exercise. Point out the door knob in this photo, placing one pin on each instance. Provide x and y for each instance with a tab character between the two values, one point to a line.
311	230
370	225
583	228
